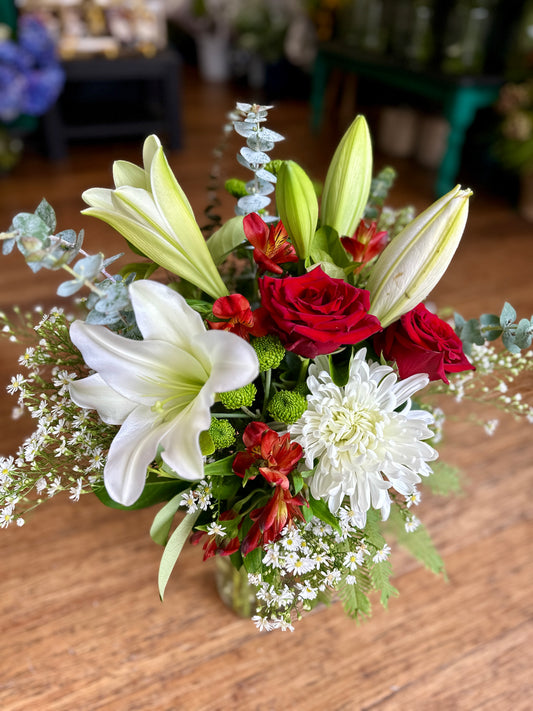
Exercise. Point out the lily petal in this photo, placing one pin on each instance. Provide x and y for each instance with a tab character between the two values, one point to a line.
94	393
131	452
226	349
163	314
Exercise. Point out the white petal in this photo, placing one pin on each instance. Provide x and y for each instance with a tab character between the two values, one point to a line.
131	452
163	314
234	361
94	394
181	447
143	371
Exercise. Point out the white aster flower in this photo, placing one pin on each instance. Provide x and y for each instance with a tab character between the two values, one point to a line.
159	390
363	444
412	523
216	529
353	559
382	554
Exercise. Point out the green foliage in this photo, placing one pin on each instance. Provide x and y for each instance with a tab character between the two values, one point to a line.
327	250
489	327
254	156
156	490
379	191
417	542
354	598
173	549
380	574
445	479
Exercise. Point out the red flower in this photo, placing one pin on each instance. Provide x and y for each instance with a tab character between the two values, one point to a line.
275	457
365	244
271	519
314	314
421	342
237	317
211	547
271	244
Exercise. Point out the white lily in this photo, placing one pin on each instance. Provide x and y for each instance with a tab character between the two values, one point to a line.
412	264
160	390
149	208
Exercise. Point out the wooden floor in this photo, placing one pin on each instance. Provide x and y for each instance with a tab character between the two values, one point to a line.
82	627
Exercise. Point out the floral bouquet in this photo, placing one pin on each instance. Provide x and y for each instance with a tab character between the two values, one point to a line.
273	386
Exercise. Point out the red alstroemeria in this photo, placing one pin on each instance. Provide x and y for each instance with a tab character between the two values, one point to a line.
237	317
366	243
226	546
270	519
274	456
271	244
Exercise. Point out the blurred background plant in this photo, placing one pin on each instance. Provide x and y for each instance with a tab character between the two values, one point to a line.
514	146
31	79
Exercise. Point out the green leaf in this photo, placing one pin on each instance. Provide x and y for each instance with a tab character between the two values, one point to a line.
155	491
490	326
31	225
224	240
523	334
321	511
380	574
445	479
354	600
222	467
160	528
326	246
297	481
253	561
46	213
225	487
142	270
418	542
507	316
173	549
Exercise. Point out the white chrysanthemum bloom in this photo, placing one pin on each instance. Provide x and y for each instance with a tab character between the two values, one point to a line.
360	439
159	390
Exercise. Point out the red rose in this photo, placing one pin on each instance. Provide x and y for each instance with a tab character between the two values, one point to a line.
314	314
421	342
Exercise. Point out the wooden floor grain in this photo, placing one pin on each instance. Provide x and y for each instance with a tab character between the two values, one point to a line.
81	623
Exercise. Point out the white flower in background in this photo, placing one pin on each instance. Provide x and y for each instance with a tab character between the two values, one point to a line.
363	444
160	389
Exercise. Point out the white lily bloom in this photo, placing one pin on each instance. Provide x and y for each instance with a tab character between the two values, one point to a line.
160	390
149	208
364	443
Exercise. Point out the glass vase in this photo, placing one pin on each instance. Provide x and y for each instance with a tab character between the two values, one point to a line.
234	588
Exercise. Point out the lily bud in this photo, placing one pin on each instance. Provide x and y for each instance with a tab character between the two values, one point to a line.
297	206
412	264
348	180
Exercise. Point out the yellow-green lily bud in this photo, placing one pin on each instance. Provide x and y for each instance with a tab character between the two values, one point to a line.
348	180
412	264
297	206
149	208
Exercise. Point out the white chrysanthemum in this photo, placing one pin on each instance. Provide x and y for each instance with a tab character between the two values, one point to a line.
361	440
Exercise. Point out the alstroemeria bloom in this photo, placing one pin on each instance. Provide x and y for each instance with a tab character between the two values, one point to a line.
271	244
149	208
274	455
237	317
270	519
160	389
366	243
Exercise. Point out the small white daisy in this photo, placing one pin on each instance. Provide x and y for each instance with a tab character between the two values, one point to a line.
382	554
